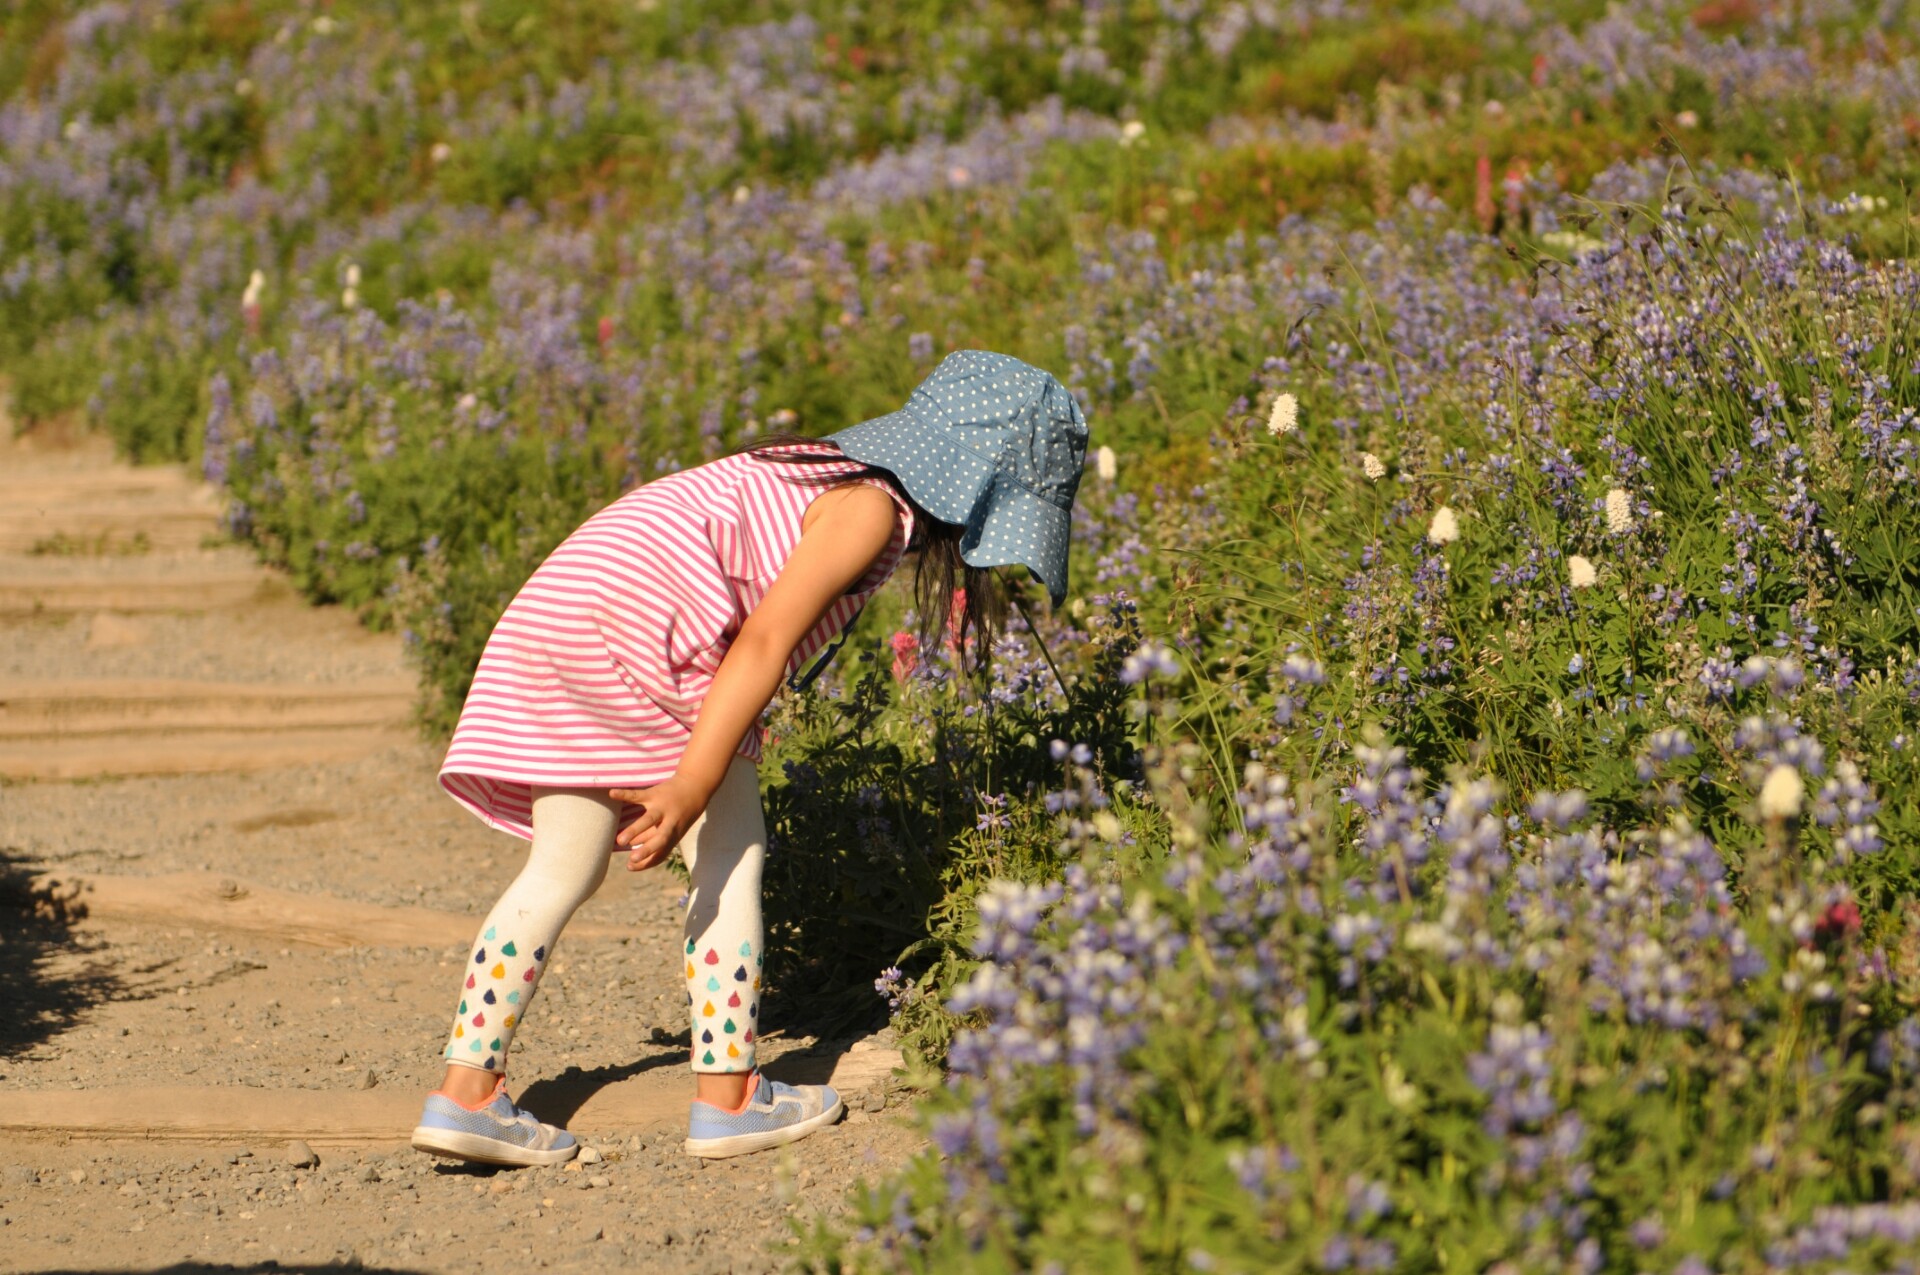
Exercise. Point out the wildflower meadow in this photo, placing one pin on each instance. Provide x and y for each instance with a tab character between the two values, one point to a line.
1466	816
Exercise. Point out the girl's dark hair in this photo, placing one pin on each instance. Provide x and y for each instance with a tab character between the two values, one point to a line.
939	569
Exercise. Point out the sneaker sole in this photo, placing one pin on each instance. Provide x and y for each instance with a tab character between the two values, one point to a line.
479	1149
742	1143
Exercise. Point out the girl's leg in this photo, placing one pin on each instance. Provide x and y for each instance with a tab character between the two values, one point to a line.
572	844
724	853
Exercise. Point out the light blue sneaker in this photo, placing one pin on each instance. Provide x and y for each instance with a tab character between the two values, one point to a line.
777	1113
497	1133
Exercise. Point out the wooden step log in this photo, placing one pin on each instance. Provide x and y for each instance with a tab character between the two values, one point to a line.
101	530
30	484
157	754
288	918
649	1093
84	708
110	727
51	586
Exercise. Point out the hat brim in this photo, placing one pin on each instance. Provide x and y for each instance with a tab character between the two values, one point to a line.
957	485
945	478
1027	531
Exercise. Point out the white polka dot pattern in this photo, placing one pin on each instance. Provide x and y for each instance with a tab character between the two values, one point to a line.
991	444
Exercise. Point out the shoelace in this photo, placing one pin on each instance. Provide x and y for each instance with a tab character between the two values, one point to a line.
515	1115
779	1093
526	1118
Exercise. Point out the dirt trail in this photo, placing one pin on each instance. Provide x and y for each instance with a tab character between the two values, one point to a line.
235	905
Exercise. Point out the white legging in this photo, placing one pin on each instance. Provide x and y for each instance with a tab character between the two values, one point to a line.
573	831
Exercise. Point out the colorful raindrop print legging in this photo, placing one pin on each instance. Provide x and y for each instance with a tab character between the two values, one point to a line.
573	830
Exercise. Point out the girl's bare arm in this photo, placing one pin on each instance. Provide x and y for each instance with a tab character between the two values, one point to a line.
846	531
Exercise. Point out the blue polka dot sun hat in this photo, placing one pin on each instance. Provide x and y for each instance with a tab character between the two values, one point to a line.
993	445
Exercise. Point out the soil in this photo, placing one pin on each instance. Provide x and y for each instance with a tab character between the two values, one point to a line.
235	907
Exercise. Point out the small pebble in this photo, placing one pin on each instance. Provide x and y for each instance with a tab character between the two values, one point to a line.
76	1176
593	1233
369	1174
300	1155
600	1180
590	1155
368	1079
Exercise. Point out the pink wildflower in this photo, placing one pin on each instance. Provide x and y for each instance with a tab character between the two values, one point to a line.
1484	209
1838	923
956	618
906	654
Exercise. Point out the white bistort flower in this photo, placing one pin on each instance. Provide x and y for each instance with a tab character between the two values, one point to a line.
1572	242
1445	528
1580	572
1401	1094
1285	417
1781	793
1372	466
1131	132
1106	464
255	282
1619	511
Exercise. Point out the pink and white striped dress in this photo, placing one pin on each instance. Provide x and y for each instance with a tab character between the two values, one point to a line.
595	673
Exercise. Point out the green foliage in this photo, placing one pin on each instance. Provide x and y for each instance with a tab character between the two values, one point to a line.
60	379
589	249
895	800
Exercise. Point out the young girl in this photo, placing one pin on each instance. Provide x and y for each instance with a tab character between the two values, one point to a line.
617	706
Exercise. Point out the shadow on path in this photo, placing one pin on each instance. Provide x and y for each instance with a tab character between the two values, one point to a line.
559	1098
52	973
812	1066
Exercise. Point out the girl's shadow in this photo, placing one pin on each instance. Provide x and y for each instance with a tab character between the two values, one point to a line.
559	1098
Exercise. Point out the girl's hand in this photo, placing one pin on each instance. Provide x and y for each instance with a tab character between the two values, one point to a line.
671	808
